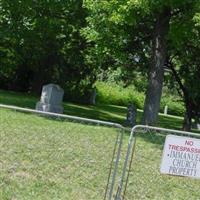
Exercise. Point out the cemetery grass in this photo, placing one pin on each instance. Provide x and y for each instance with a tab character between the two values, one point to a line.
104	112
43	159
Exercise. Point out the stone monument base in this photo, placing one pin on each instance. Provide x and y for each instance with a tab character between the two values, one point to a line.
49	108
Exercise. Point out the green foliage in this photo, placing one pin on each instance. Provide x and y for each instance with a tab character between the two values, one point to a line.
186	62
123	33
123	78
197	19
110	75
66	42
175	105
112	28
41	43
122	30
111	93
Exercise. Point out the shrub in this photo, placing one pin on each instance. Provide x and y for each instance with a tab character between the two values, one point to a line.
111	93
175	105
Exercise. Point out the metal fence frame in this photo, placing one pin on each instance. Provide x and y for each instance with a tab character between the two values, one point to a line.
116	155
121	191
114	164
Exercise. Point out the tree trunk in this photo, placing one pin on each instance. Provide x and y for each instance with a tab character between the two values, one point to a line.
187	123
156	73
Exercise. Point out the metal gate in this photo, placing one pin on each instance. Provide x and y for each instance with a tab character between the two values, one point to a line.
52	156
43	158
141	177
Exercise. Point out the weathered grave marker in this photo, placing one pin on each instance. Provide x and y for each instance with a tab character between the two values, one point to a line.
131	115
198	126
51	99
93	97
166	110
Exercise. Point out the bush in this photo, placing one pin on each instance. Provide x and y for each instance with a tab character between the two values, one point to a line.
175	105
111	93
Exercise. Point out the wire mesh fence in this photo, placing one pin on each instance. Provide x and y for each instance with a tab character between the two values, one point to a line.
142	178
49	156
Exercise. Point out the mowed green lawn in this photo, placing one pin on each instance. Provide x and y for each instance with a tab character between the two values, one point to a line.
49	159
104	112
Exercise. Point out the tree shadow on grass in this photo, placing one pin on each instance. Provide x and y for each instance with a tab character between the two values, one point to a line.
18	99
170	122
100	112
109	113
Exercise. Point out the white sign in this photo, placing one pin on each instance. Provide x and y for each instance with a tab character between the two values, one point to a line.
181	156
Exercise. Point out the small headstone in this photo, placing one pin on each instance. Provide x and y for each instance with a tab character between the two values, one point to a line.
166	110
51	99
198	126
198	121
93	97
131	115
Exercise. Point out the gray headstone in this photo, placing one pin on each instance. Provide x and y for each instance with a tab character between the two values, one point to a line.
131	115
93	97
51	99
